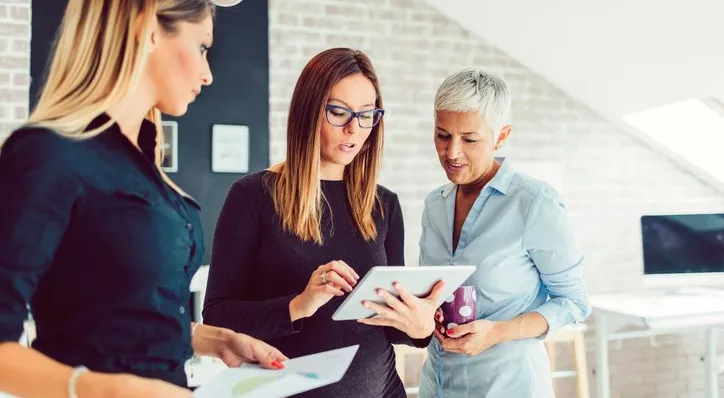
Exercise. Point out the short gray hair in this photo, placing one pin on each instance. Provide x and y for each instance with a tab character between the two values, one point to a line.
475	90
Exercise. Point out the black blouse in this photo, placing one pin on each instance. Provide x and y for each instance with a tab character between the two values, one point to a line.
257	268
100	248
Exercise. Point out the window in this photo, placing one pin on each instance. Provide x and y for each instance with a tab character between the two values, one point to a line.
692	129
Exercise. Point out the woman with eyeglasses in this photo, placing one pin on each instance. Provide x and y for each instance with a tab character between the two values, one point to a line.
291	241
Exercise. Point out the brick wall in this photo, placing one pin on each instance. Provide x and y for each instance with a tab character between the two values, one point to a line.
608	178
14	63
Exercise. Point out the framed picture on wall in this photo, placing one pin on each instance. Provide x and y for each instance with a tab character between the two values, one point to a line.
230	149
170	146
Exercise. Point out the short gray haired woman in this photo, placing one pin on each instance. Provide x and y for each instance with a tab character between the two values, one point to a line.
529	279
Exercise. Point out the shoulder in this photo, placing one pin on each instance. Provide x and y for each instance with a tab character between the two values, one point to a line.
535	197
386	195
253	181
40	148
437	193
252	187
389	200
40	142
532	190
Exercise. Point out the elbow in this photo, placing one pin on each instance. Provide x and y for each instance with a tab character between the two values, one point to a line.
584	307
210	314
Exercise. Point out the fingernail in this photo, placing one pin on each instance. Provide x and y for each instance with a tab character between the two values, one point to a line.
379	292
442	330
450	331
278	365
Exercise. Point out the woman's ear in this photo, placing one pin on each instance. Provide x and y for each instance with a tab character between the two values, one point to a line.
153	33
504	134
148	27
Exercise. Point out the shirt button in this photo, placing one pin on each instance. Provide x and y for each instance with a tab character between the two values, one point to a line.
190	226
181	310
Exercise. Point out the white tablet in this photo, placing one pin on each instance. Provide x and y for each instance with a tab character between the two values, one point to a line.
418	280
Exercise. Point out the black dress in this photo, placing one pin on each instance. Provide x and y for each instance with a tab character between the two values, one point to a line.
256	270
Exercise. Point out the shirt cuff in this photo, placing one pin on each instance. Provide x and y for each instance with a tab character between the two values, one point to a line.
422	343
549	311
280	312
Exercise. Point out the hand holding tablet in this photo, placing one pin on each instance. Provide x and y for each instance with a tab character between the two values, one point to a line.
418	281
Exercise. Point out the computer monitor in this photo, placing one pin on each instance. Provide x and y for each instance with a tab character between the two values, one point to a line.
682	250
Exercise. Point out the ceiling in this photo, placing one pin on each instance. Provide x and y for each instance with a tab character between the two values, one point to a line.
617	56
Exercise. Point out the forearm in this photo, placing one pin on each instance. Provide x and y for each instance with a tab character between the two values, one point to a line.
266	320
27	373
209	340
396	336
525	326
295	309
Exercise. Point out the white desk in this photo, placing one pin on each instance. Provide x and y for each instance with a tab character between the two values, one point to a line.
198	289
656	312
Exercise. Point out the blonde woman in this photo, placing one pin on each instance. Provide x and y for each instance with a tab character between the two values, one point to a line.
292	240
93	235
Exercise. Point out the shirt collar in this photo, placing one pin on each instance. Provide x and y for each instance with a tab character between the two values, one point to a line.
146	135
501	181
146	140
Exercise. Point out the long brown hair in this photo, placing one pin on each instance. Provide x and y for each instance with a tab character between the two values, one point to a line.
99	52
296	188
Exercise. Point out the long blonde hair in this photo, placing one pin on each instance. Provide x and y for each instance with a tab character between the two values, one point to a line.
99	53
296	188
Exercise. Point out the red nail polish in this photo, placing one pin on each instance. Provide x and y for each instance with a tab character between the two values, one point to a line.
277	365
450	331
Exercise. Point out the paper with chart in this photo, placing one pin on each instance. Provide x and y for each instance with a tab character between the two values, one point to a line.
299	375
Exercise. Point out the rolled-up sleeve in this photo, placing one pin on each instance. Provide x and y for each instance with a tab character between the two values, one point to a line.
37	193
548	240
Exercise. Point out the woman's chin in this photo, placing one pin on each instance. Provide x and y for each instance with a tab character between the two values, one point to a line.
455	178
175	110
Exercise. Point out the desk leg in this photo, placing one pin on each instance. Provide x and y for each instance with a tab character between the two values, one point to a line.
712	385
602	376
198	298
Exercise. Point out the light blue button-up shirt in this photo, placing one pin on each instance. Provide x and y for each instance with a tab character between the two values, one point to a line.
518	236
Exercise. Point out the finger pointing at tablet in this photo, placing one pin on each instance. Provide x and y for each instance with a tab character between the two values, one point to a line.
329	280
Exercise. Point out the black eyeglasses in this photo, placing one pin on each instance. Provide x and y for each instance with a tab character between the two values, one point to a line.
340	116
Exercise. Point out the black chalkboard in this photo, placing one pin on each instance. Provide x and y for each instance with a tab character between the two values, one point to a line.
239	95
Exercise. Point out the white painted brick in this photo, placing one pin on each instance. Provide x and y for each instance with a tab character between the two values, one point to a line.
14	60
611	178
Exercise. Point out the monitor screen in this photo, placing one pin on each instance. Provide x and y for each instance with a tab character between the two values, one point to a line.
683	243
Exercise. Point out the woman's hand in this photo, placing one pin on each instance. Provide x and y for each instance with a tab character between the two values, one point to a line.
329	280
234	348
412	315
469	339
240	348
